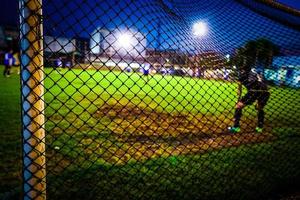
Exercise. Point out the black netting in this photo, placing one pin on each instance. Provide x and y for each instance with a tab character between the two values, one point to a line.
160	99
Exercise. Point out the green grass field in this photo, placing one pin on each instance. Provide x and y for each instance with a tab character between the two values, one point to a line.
96	138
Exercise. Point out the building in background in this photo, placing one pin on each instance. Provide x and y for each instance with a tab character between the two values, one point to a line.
166	57
3	44
285	71
59	45
82	46
209	64
71	50
9	39
118	47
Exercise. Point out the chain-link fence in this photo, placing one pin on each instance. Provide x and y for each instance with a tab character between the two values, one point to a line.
159	99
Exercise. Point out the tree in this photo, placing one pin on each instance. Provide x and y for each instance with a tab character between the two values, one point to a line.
255	54
265	51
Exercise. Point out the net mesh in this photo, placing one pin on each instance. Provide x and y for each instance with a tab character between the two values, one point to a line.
141	99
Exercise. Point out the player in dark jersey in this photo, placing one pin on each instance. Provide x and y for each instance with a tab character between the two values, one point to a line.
257	90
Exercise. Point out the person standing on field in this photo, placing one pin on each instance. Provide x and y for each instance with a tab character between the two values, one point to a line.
146	71
257	90
58	63
8	62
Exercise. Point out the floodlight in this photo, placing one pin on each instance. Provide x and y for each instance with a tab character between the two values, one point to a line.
125	40
200	29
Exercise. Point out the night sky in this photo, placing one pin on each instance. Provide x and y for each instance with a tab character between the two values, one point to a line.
8	10
227	29
291	3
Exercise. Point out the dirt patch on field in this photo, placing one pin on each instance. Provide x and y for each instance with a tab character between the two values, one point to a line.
118	134
146	133
130	122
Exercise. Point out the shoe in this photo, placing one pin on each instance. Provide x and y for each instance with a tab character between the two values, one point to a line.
258	130
234	129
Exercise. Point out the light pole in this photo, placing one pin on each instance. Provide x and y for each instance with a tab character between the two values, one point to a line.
199	30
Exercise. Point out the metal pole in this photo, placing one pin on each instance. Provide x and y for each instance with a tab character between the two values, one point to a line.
34	164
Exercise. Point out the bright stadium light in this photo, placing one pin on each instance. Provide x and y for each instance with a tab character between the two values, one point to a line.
125	40
199	29
227	57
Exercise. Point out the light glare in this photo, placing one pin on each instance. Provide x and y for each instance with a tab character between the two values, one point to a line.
199	29
125	40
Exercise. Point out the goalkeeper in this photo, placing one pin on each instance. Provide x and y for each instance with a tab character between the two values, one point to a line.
257	90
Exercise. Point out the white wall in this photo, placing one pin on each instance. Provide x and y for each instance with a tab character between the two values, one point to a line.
60	44
104	41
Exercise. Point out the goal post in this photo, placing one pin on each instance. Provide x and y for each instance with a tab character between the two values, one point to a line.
32	88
